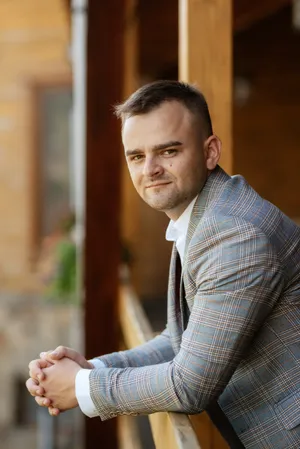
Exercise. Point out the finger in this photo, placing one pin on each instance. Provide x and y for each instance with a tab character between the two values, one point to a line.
43	402
36	368
46	355
53	411
57	354
63	351
34	388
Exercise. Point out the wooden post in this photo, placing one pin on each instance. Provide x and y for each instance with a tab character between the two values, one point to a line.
105	52
205	58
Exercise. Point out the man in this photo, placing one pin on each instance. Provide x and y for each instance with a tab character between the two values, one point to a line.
232	341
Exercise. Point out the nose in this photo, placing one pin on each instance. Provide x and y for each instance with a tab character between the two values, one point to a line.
152	167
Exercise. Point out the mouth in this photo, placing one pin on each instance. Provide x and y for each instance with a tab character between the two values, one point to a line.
158	184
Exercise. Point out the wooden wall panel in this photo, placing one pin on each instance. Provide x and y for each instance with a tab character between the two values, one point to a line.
158	37
266	125
248	12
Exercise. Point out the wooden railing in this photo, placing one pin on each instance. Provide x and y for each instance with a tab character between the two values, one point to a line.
169	430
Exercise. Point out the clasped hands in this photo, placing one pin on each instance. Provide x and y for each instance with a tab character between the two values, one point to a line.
52	378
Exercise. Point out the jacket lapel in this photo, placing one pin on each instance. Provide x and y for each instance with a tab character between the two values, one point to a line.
208	195
178	310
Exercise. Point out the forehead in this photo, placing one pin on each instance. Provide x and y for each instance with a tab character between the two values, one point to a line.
170	121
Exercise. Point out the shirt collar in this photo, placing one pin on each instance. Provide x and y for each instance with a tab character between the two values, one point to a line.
179	228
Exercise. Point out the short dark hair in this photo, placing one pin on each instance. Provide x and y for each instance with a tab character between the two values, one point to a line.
152	95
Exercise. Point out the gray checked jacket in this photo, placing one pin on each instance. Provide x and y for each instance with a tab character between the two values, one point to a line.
234	334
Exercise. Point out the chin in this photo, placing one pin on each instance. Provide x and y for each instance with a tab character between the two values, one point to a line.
155	205
162	204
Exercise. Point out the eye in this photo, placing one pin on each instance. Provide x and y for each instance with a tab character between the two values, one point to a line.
169	152
136	157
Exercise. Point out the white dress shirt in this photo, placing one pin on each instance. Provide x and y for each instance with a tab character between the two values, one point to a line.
82	389
176	232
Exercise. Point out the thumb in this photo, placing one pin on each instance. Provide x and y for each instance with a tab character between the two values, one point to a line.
51	355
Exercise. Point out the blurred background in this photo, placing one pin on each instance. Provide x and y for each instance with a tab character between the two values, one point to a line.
70	218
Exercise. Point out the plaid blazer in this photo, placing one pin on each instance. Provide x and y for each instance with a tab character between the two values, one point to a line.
234	335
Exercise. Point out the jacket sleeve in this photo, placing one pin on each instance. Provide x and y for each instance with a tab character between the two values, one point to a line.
238	280
157	350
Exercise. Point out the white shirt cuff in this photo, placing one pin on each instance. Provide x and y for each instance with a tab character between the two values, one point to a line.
82	391
97	363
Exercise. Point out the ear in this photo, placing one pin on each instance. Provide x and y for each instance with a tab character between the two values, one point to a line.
212	151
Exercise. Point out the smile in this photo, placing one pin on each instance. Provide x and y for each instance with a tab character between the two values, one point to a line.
158	185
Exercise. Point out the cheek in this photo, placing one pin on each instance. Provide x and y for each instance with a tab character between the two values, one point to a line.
191	174
185	171
135	176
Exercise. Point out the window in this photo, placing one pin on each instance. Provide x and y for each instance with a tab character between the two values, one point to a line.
54	106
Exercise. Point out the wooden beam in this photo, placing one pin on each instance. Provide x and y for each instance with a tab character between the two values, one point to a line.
129	437
103	178
205	58
248	12
130	219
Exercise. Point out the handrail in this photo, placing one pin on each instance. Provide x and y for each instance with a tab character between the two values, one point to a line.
174	428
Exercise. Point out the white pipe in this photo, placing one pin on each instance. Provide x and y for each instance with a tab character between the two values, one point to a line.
78	142
296	14
78	57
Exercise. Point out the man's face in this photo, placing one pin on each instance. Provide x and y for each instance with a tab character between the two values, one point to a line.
167	159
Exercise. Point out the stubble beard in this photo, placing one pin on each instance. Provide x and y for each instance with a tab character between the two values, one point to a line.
166	201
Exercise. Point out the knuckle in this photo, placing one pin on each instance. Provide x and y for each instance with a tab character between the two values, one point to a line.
28	383
40	401
30	365
34	365
32	392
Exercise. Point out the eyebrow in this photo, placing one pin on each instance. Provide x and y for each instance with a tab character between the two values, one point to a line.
160	146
